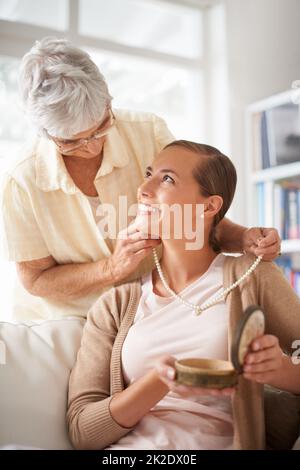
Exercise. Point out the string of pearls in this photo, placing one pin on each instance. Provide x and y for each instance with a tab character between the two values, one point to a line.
198	309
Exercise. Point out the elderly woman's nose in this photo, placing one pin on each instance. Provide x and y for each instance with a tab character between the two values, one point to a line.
94	146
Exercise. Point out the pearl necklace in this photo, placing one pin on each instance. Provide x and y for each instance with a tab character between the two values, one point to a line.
198	309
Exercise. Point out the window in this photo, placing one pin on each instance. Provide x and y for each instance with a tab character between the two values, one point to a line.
157	25
13	126
52	14
148	85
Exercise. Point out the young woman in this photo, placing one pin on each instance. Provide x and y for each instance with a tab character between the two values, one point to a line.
122	392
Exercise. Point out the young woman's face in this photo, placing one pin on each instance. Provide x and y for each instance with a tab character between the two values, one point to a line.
170	183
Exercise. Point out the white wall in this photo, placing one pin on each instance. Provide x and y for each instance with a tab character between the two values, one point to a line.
216	78
263	51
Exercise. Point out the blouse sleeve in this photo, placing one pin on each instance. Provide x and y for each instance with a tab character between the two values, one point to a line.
90	423
163	136
21	237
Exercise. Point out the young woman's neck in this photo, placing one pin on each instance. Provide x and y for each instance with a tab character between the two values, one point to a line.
181	266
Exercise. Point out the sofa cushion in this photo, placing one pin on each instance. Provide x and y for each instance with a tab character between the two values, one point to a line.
35	363
282	418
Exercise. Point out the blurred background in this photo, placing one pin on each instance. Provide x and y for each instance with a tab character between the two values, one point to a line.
225	73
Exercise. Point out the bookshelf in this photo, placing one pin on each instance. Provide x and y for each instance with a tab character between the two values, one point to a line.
273	174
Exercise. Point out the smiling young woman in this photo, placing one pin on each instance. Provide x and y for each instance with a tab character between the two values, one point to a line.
122	390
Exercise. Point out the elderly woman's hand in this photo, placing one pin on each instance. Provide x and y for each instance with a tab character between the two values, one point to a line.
131	248
165	368
262	241
264	360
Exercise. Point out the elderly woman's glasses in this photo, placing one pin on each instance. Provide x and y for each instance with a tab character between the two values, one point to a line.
67	146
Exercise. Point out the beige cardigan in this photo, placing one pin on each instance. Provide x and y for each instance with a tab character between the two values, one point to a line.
97	374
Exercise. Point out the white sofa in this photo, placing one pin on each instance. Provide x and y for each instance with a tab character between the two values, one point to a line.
35	364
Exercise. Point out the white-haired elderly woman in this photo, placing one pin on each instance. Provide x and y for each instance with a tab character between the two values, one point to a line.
85	154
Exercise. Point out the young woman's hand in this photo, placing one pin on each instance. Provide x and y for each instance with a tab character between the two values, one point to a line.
264	360
262	241
165	368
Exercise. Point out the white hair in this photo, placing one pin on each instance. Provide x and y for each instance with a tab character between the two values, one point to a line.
62	89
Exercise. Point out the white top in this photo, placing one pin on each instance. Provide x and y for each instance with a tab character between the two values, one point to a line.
165	326
44	213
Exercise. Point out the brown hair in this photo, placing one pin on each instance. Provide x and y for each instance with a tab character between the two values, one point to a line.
216	175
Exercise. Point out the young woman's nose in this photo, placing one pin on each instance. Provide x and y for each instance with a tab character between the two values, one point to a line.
145	189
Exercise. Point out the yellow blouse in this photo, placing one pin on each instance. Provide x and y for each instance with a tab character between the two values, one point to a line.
44	213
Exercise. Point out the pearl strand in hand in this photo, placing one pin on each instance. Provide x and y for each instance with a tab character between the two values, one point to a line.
198	309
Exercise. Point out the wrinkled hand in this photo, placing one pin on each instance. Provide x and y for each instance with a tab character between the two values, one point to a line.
264	360
165	368
131	248
262	241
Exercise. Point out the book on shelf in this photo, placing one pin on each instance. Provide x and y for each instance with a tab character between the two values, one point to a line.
278	205
257	156
276	136
260	187
292	275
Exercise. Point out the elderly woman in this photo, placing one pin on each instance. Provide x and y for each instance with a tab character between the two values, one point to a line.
85	155
122	395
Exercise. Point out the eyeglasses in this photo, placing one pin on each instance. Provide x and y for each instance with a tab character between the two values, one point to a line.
67	146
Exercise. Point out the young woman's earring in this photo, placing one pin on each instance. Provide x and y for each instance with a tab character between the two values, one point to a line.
202	214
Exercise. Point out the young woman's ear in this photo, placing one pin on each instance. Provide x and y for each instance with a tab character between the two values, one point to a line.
213	206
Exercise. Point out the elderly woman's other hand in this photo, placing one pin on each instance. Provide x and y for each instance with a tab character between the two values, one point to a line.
262	241
165	368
